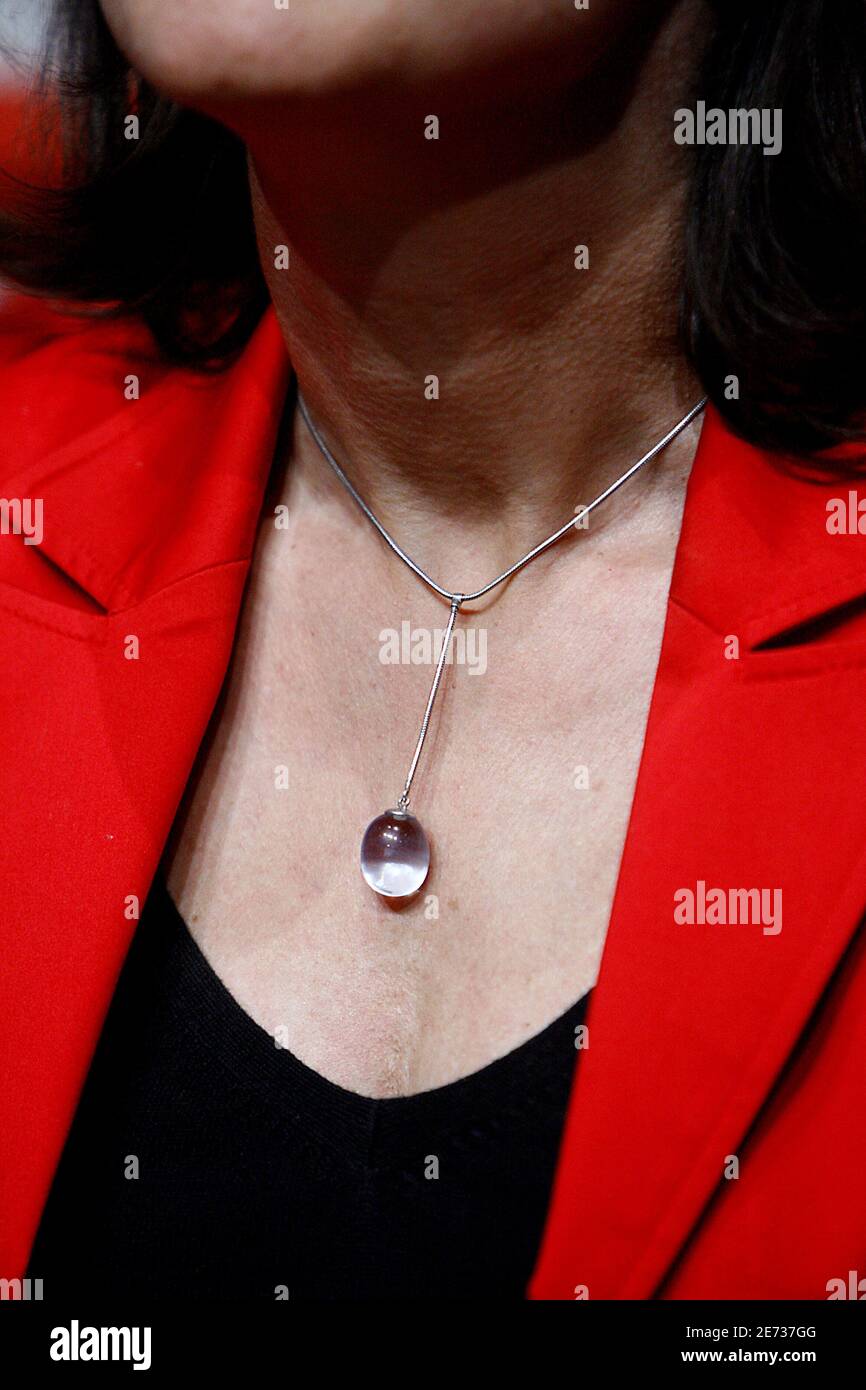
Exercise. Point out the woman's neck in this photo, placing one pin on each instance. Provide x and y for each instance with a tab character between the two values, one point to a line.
458	361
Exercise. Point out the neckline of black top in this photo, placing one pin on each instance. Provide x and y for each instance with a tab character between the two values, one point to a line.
334	1117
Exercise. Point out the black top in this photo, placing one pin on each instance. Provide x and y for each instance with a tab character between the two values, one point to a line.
257	1178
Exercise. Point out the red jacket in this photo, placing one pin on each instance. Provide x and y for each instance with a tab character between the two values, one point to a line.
708	1043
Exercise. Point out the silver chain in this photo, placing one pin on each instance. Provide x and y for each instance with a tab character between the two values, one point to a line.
531	554
456	598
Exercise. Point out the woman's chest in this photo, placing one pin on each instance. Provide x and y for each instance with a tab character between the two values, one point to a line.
524	789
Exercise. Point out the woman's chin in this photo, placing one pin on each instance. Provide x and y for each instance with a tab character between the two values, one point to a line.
237	51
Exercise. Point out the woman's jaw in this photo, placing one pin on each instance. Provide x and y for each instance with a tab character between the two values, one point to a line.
241	52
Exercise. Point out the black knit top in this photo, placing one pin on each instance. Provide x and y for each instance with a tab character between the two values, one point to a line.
205	1162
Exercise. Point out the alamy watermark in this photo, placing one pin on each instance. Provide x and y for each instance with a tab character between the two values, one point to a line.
738	126
705	906
21	1290
77	1343
422	646
846	516
22	516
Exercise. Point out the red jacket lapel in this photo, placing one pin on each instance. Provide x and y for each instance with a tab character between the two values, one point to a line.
151	509
745	782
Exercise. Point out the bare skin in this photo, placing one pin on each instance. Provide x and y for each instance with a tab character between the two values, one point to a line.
407	262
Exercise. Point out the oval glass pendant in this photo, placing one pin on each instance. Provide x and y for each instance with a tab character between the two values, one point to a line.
395	855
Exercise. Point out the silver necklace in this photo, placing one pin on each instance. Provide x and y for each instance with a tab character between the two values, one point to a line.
395	851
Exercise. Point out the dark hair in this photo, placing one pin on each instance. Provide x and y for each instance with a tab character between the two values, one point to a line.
773	251
774	283
160	227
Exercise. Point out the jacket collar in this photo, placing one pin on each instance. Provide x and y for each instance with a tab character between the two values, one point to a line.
755	555
137	493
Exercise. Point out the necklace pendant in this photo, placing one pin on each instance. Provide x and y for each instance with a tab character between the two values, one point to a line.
395	854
